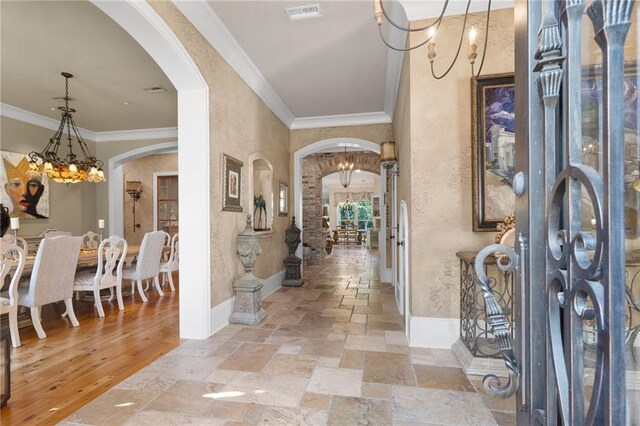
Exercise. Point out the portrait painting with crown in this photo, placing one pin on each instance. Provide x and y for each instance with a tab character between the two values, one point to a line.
26	195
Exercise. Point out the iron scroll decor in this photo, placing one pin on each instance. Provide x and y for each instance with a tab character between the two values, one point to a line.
507	261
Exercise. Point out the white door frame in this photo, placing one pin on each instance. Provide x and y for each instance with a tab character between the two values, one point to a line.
403	263
322	145
155	195
144	24
394	225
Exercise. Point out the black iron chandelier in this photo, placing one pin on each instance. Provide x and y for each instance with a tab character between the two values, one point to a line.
345	169
74	167
430	36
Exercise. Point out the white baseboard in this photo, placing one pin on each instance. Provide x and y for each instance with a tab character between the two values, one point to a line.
220	313
437	333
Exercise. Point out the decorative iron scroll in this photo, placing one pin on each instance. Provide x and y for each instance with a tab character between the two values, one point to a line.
507	261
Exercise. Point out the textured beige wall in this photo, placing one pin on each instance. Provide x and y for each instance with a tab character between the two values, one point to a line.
240	124
402	137
142	170
372	132
440	128
72	207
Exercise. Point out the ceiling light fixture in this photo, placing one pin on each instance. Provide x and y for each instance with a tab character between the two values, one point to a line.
345	169
430	33
71	168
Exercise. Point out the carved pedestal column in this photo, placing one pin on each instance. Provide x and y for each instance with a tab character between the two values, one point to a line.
248	308
293	275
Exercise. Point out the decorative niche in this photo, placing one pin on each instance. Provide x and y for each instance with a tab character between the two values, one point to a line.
261	194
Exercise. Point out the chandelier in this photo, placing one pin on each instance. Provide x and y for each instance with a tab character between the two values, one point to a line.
345	169
74	167
430	36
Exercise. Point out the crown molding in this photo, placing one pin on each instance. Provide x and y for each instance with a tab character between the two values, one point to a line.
207	22
380	117
25	116
397	38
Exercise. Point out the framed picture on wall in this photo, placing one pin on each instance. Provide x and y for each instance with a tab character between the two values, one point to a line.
231	184
25	195
493	150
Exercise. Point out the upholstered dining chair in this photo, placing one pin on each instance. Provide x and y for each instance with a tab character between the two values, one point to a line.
111	256
21	242
172	264
148	264
52	278
11	265
90	240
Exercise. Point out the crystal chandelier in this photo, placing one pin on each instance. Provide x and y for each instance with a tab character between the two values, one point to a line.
345	169
430	36
71	168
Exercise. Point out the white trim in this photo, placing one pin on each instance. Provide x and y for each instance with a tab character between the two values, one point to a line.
398	39
20	114
364	118
143	23
437	333
320	146
155	194
205	19
137	134
403	263
221	313
119	135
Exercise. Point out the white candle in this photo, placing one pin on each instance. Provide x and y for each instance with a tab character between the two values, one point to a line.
100	223
472	36
15	223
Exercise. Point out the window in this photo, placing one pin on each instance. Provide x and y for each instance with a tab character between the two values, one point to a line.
358	215
168	204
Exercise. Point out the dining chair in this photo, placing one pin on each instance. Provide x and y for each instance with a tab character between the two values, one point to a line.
148	264
11	265
21	242
111	256
90	240
172	264
52	278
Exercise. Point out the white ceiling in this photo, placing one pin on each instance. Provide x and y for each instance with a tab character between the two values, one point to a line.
331	65
39	39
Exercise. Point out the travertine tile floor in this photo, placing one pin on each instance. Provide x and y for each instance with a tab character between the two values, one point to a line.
331	352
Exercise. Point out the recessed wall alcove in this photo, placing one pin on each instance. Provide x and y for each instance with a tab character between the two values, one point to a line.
260	182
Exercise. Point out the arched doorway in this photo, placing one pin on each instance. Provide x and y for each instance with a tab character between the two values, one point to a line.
324	145
141	21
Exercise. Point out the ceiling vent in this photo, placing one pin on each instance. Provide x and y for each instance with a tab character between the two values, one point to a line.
299	13
155	89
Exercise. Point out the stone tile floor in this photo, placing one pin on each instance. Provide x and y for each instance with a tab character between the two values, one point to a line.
331	352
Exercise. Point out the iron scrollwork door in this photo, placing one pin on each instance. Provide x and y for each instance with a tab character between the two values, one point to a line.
571	277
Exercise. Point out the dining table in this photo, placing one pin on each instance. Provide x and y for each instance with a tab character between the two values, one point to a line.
88	258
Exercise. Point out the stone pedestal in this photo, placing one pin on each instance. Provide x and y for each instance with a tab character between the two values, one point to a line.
248	307
292	264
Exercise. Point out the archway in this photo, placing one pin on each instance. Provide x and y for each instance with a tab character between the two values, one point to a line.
323	145
141	21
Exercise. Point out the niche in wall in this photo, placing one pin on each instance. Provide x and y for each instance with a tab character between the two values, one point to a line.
261	195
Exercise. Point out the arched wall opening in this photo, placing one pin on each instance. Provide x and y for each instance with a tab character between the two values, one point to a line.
323	146
141	21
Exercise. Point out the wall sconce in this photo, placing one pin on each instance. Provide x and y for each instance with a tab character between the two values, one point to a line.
134	188
388	154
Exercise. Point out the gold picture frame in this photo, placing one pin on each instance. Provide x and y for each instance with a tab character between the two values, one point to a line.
231	184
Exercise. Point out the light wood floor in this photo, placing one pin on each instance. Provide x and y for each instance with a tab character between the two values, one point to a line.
53	377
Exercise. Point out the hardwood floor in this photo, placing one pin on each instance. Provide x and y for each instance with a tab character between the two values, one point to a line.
53	377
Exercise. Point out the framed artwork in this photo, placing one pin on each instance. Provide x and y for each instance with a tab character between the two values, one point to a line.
25	195
231	184
493	150
283	199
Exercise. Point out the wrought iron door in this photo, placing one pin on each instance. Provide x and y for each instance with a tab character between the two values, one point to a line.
570	250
